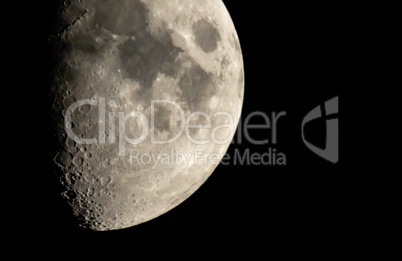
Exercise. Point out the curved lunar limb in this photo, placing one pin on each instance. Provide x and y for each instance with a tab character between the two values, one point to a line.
129	76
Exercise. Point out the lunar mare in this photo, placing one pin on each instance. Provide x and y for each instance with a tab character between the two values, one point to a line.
127	54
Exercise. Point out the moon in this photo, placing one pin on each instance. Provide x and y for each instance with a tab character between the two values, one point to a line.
147	96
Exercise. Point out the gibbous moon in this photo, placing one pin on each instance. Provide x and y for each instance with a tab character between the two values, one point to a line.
147	96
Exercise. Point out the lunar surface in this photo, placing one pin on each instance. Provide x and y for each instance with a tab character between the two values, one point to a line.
131	79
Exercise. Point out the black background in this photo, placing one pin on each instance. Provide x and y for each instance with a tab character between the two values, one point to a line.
297	55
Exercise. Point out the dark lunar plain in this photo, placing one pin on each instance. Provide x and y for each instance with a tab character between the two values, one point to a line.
297	55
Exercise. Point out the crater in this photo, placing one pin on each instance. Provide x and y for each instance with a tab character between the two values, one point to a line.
206	35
